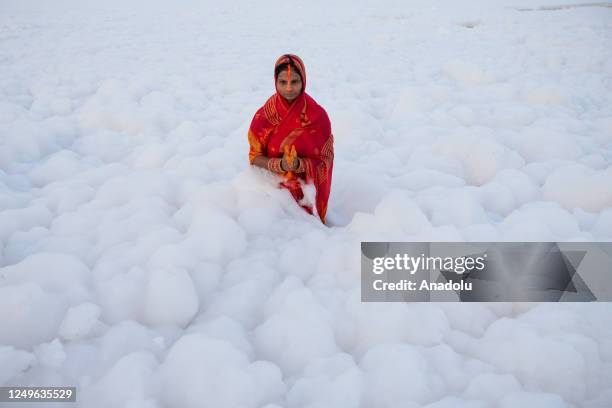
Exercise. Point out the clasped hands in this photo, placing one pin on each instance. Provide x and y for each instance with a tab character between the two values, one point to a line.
290	160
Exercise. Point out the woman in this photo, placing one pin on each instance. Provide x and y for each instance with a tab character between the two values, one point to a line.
291	135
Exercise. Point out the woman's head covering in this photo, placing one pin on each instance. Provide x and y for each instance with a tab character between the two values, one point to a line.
297	62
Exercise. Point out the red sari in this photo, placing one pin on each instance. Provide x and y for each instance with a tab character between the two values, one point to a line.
303	124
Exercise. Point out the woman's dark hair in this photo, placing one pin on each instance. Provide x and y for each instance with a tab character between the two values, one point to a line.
285	67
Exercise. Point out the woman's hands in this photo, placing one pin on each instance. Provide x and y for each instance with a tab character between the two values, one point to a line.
290	167
290	161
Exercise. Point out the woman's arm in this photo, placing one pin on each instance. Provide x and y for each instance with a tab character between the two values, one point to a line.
258	158
268	163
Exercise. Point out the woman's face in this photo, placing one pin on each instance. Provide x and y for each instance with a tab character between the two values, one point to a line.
289	88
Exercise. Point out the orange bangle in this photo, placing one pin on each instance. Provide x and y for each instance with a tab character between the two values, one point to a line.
274	165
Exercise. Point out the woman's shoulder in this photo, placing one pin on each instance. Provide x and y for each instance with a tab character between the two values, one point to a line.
311	101
317	108
261	115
